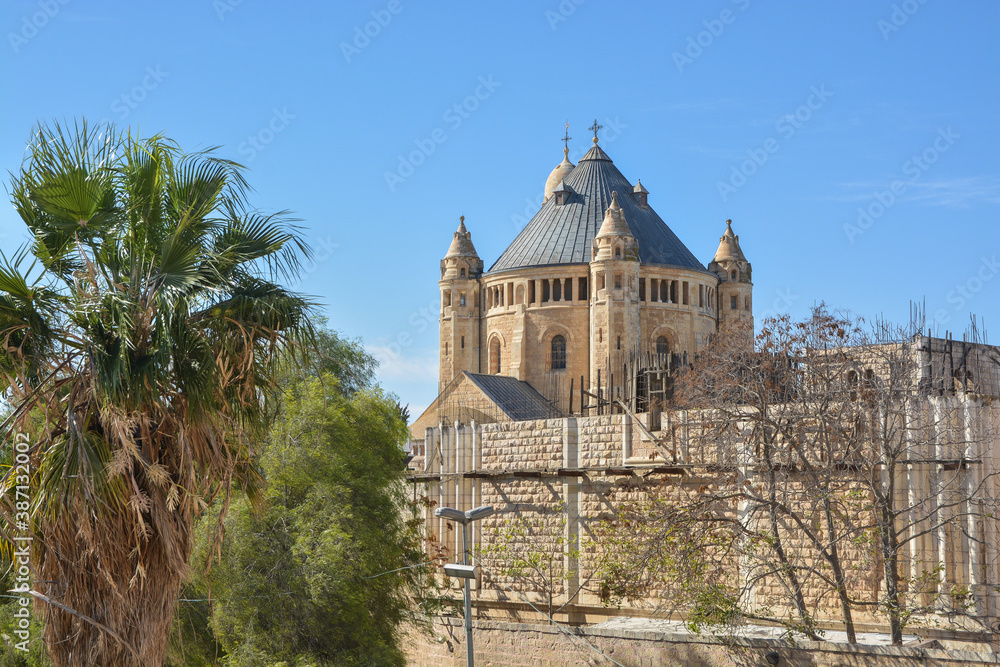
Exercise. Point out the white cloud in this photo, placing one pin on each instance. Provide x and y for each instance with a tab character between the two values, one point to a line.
957	192
953	193
405	366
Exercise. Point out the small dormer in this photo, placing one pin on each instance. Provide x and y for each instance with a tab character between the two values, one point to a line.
639	192
562	193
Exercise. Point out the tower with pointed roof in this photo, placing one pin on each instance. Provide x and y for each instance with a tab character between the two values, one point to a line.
614	300
735	285
596	277
461	269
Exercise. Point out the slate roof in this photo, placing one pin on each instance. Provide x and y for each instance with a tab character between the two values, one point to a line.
516	398
563	234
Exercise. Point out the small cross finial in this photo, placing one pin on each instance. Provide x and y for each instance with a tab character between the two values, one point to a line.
461	218
566	139
594	128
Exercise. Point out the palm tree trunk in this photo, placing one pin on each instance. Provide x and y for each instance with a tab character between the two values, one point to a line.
115	600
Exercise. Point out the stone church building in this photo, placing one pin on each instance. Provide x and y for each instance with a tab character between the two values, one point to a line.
550	365
594	285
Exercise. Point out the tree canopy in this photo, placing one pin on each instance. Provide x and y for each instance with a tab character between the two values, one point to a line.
309	579
142	327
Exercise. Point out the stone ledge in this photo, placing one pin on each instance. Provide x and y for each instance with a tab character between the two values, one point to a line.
656	636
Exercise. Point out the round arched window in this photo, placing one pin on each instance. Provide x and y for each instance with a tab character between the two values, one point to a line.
558	353
662	345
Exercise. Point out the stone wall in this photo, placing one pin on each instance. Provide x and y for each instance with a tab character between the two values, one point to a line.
554	482
502	644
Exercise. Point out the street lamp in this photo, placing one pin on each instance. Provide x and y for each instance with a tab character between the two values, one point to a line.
465	571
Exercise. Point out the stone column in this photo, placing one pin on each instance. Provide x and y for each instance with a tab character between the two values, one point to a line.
571	507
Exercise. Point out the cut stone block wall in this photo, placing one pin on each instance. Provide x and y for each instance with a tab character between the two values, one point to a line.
555	481
501	644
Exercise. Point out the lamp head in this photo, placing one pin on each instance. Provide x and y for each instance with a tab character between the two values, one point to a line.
480	512
451	514
460	571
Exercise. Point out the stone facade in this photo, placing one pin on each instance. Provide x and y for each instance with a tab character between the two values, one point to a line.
581	293
554	323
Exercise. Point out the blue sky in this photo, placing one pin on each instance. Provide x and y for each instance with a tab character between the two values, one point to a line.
854	144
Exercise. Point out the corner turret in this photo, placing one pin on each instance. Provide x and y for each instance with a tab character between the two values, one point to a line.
614	301
461	270
734	272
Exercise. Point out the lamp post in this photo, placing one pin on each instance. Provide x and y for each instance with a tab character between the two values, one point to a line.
465	572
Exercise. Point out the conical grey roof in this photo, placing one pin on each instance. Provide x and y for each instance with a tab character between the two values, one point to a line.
564	234
461	243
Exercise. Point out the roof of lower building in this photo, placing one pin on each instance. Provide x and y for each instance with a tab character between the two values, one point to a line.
516	398
563	233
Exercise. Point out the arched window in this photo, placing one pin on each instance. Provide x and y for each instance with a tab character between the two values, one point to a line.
558	353
662	345
495	356
618	252
461	273
733	274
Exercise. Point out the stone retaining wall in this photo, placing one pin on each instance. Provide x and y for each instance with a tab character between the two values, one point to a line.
501	644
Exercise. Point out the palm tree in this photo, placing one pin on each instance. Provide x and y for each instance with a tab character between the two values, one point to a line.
140	329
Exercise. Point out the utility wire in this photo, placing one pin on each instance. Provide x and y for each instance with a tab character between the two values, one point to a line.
400	569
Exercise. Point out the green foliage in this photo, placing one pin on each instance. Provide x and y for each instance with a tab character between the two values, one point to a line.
9	655
330	354
192	641
714	605
302	581
142	323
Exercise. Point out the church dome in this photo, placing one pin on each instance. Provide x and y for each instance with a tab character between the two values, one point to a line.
562	232
559	174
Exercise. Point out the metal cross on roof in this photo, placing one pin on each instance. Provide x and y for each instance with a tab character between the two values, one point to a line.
566	138
594	128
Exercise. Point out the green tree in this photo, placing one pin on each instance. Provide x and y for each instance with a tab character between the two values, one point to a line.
141	331
304	581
